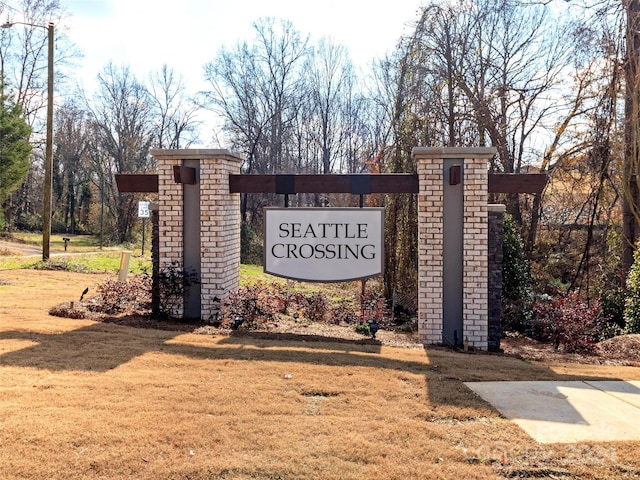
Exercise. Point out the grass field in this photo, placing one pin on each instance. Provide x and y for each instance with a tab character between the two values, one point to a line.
80	399
82	253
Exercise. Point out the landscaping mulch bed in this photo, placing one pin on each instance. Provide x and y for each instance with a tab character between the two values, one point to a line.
623	350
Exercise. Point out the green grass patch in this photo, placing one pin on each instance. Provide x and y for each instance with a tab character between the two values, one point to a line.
250	274
76	243
335	292
84	254
108	262
17	263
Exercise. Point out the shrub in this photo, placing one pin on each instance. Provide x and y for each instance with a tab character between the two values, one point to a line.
174	282
373	305
362	329
251	245
116	297
315	306
60	264
259	303
612	303
343	312
405	328
568	321
287	298
516	280
28	222
404	308
632	302
256	304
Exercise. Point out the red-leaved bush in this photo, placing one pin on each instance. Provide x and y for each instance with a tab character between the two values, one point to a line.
568	321
256	304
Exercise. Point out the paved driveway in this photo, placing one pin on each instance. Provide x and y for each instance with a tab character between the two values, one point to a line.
567	412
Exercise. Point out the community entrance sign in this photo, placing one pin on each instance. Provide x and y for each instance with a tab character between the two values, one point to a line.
198	227
324	244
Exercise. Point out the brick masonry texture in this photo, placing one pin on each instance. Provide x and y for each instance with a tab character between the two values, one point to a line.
475	253
475	243
220	233
219	221
430	236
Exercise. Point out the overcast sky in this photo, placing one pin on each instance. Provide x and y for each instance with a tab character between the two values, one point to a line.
186	34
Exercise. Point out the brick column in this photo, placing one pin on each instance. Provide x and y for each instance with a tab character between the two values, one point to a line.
217	237
220	232
474	293
429	247
476	251
170	206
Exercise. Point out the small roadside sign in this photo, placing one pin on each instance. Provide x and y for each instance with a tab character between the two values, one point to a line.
143	209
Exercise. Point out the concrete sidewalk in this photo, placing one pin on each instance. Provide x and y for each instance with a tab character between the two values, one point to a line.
566	412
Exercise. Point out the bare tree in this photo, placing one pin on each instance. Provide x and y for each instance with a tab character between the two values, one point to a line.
409	121
236	96
515	86
280	52
122	121
23	54
256	87
330	75
175	114
72	175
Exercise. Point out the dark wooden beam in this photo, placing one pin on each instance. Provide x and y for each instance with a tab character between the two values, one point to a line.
355	184
137	183
304	183
517	182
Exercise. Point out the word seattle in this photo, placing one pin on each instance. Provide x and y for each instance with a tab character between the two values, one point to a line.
324	244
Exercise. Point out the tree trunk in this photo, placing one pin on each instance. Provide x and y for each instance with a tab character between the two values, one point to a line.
631	200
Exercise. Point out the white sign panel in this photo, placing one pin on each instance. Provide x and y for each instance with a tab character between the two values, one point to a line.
143	209
324	244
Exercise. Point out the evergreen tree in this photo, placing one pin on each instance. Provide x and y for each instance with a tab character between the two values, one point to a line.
516	280
632	302
15	148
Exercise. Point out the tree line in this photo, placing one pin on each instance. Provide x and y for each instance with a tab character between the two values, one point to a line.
549	83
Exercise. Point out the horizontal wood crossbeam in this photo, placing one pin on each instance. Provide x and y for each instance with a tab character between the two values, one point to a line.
137	183
517	182
357	184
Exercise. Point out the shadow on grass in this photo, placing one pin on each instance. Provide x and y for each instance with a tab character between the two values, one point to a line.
104	346
101	347
261	339
97	347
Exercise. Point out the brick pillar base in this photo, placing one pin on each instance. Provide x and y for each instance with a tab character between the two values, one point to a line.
199	224
471	290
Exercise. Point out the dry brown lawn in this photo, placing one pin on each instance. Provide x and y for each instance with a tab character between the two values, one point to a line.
83	399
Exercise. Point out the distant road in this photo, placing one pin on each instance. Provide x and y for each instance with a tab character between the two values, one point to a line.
25	250
21	249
